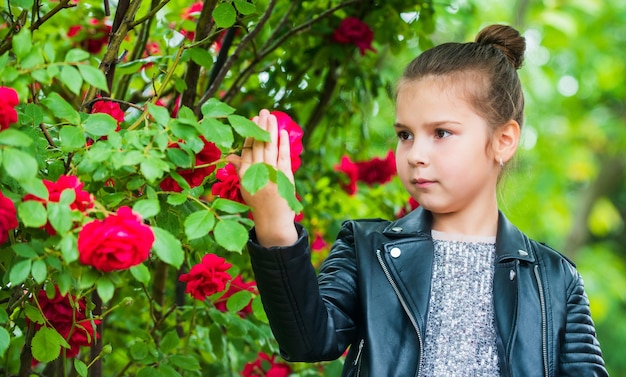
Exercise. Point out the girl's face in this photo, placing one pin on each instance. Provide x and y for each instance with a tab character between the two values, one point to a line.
444	156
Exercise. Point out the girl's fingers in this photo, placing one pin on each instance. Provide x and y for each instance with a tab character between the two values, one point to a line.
284	155
271	148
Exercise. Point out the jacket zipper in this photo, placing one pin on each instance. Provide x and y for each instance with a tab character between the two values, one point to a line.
543	321
404	306
357	360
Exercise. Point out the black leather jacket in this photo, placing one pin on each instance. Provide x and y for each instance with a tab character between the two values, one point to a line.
377	303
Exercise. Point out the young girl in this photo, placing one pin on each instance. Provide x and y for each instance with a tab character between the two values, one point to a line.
451	289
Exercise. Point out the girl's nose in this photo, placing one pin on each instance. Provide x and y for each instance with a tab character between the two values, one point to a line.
418	154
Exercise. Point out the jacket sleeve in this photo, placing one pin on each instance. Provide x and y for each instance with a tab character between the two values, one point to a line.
580	351
311	320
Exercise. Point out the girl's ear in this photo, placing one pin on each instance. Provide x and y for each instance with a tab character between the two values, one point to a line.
505	141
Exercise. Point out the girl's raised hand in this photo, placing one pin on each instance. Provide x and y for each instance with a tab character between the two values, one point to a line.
273	218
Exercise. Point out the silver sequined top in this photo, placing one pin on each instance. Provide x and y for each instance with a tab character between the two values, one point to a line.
460	334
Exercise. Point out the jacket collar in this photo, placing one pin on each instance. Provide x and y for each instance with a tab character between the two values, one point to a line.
511	243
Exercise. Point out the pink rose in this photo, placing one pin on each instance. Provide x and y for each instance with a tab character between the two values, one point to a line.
204	166
295	137
354	31
207	277
8	217
118	242
377	170
8	100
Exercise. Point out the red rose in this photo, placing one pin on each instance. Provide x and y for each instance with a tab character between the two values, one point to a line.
91	38
111	108
8	217
295	137
410	206
377	170
352	30
350	169
82	202
235	286
207	277
8	100
204	166
318	242
118	242
68	317
256	368
227	185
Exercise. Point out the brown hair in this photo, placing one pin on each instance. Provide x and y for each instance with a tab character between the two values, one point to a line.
494	58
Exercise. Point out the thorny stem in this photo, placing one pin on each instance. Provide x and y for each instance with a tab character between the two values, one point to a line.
265	50
231	60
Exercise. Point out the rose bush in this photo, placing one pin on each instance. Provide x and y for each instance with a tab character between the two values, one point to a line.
122	228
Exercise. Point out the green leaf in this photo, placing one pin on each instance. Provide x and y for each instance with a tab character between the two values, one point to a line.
105	288
100	124
214	108
238	301
258	310
32	213
245	7
247	128
81	367
231	235
61	108
199	224
287	190
60	217
224	15
167	247
36	187
169	342
201	57
5	341
19	165
70	78
24	250
22	43
139	351
34	314
35	113
257	176
218	132
15	138
69	247
46	344
72	138
93	76
153	169
19	272
76	55
183	130
159	113
179	157
141	273
4	316
186	362
147	208
149	372
39	270
229	206
24	4
176	199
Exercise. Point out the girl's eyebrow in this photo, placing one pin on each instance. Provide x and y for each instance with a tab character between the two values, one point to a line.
429	124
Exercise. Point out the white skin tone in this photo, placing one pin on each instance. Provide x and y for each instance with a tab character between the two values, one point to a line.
445	158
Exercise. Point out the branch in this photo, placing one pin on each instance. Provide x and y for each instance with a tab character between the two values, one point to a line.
61	5
231	60
203	29
612	172
330	83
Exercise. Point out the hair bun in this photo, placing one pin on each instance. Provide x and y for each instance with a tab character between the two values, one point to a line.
506	39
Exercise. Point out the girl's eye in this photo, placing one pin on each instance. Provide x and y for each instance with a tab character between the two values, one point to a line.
441	134
403	135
